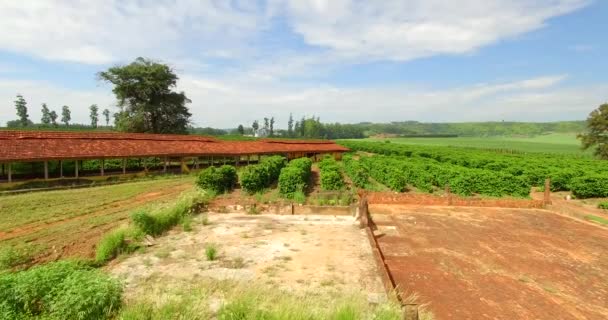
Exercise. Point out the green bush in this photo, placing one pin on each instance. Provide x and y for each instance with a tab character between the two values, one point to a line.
218	180
155	223
591	186
255	178
111	245
358	173
59	290
211	252
294	177
603	205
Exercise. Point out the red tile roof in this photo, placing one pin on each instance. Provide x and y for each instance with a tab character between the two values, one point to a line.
51	145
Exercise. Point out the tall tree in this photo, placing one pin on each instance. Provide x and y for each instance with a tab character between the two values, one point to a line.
147	102
94	115
53	117
21	107
106	114
302	127
271	133
266	124
241	129
290	126
255	126
66	115
46	115
296	129
597	132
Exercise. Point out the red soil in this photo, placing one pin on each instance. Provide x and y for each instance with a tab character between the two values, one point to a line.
491	263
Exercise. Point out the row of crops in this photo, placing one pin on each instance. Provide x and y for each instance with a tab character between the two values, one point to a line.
474	171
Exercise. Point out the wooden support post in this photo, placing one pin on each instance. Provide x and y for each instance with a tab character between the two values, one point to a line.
248	156
183	165
76	169
145	164
103	164
10	173
196	163
224	160
236	161
211	161
165	165
547	196
124	166
46	170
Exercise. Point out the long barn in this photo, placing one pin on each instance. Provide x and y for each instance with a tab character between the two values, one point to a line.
54	147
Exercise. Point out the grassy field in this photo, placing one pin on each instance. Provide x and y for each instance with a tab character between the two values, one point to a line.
551	143
70	222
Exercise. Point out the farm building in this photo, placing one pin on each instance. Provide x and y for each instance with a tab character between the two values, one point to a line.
55	148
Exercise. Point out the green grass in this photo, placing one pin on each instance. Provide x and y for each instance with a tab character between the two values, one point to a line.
596	219
211	252
550	143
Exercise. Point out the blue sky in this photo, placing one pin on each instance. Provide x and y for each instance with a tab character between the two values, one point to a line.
342	60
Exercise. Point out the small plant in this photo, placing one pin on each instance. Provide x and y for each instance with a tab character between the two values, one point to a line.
211	252
253	210
111	245
187	223
603	205
299	196
11	256
205	220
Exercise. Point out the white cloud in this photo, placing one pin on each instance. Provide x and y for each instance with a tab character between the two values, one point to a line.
100	32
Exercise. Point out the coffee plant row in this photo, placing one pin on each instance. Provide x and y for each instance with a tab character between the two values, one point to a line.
255	178
584	177
294	177
331	174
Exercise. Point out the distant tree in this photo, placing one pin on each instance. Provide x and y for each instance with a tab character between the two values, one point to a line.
271	133
46	115
255	126
290	126
94	115
106	114
66	115
17	123
597	132
21	107
240	129
147	102
266	124
296	129
302	127
53	116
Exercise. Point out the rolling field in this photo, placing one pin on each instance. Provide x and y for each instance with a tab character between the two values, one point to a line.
70	222
551	143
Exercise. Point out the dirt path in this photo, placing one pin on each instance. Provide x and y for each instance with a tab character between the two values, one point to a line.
489	263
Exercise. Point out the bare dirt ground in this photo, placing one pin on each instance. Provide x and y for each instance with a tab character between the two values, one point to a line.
294	253
491	263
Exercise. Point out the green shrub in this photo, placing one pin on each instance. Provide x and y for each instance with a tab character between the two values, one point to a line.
59	290
331	178
111	245
603	205
591	186
218	180
294	177
255	178
358	173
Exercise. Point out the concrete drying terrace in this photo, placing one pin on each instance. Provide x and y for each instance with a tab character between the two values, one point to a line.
495	263
50	145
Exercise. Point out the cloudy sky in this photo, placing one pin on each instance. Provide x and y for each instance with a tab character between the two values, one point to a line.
343	60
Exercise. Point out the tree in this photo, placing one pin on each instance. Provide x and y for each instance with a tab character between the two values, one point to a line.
290	126
241	129
266	124
21	107
46	115
302	127
53	117
296	129
66	115
146	99
255	126
597	132
271	133
94	115
106	114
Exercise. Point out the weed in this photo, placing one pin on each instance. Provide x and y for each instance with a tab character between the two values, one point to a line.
253	210
187	223
596	219
211	252
603	205
11	256
205	220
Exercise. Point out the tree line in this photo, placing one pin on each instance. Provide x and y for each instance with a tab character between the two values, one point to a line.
49	117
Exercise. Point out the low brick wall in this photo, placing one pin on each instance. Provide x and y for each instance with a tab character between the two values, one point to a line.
449	200
287	209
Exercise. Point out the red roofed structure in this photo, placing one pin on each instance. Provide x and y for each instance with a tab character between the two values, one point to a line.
45	146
